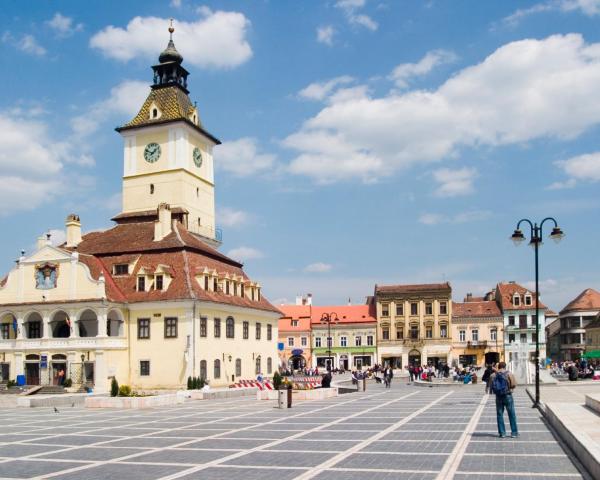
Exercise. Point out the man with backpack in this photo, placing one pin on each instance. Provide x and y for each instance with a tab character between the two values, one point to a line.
502	385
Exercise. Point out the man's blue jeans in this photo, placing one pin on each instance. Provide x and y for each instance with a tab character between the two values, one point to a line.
502	402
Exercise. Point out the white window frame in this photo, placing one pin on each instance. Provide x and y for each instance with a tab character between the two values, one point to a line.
462	335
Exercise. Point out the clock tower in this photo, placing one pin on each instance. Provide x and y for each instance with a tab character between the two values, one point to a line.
168	154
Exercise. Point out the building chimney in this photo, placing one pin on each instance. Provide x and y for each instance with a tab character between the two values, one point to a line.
73	227
309	298
469	297
41	242
163	226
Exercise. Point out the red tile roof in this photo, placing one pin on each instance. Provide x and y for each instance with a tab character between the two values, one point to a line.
505	293
476	309
181	252
589	299
294	312
345	313
417	288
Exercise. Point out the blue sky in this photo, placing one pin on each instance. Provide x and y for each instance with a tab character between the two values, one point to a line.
365	141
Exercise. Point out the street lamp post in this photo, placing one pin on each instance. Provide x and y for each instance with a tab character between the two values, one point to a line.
328	319
536	241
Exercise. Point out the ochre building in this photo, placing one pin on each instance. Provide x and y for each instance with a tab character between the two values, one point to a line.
413	324
149	301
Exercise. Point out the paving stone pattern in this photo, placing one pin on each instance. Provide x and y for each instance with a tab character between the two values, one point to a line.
402	433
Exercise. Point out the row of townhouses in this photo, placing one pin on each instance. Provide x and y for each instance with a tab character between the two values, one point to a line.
419	324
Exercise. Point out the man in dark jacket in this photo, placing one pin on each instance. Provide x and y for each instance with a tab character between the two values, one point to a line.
487	375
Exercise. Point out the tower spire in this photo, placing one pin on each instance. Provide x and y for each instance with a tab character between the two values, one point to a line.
169	70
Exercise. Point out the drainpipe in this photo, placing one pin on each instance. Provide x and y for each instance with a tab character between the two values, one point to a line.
194	340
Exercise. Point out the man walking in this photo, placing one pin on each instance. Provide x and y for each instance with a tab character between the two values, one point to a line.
502	385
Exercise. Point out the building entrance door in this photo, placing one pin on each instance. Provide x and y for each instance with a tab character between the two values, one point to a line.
414	358
359	363
32	373
4	372
57	379
492	357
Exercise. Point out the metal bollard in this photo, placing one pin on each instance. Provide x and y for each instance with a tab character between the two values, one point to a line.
289	398
281	398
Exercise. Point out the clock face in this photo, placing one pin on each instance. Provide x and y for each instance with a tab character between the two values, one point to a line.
197	157
152	152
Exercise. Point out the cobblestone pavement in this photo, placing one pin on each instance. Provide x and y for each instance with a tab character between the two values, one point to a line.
403	433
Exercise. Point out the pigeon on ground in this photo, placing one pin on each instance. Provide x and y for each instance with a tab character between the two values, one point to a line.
55	410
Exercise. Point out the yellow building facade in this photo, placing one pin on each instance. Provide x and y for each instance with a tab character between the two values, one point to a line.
149	301
414	324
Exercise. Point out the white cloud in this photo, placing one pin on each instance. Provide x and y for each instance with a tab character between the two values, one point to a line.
404	72
318	267
242	254
463	217
218	40
321	90
63	26
57	236
570	183
325	34
589	8
229	217
452	183
175	3
30	164
581	168
525	90
27	43
242	157
125	99
351	10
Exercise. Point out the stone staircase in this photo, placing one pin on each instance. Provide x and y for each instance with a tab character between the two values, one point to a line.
578	425
51	390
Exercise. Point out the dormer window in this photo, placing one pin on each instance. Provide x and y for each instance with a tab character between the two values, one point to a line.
121	269
215	284
258	293
141	283
516	300
154	112
243	292
206	282
226	287
294	323
528	299
158	282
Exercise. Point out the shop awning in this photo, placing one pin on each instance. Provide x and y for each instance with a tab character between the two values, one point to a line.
591	354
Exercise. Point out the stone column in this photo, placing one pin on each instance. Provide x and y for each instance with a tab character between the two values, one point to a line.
46	325
100	373
19	367
102	315
74	324
20	328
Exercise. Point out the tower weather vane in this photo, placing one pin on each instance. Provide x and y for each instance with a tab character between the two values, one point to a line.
171	29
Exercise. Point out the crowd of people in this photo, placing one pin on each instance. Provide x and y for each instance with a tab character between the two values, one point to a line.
576	370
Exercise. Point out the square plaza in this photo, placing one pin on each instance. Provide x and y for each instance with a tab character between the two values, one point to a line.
404	432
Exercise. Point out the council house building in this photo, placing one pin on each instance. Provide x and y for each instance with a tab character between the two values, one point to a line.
149	301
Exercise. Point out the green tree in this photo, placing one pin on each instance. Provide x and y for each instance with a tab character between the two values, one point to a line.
189	383
276	380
